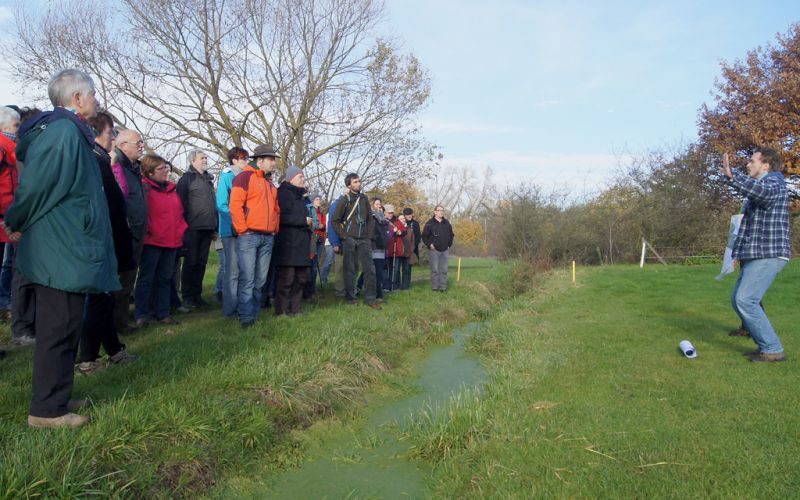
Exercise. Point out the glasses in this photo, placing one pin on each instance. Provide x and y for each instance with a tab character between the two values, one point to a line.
439	210
138	143
162	167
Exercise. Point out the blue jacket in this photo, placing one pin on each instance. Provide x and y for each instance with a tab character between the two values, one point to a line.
764	232
223	200
332	236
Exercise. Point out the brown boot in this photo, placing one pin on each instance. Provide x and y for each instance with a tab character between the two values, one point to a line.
767	357
70	420
739	332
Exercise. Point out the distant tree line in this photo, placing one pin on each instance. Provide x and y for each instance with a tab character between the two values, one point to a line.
673	199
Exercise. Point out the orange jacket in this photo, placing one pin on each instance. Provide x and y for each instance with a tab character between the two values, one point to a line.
254	203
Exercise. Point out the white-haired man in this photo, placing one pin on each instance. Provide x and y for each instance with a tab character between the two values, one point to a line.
60	219
196	189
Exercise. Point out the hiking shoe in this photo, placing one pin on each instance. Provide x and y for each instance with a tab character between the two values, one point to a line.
739	332
23	340
767	357
375	306
89	367
169	320
70	420
218	297
122	357
247	324
751	353
183	309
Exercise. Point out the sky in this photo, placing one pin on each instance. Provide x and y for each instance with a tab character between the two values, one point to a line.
558	93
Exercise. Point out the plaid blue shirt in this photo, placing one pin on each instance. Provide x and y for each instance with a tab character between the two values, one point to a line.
764	232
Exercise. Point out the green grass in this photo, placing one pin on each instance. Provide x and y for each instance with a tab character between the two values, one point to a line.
590	397
207	400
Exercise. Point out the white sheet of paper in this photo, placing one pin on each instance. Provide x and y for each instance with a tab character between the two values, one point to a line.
727	258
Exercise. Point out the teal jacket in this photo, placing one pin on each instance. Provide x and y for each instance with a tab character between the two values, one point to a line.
61	210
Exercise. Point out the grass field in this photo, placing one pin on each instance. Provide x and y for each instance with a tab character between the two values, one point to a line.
207	399
590	396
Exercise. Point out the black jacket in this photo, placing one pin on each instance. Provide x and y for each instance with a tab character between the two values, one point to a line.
293	241
136	202
438	234
196	191
117	211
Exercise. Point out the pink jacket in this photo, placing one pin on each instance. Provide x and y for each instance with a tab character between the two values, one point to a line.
165	222
121	180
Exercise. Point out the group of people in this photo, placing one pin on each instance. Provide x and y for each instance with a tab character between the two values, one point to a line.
91	222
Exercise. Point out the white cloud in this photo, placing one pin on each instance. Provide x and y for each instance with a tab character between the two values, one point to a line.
546	103
463	127
579	174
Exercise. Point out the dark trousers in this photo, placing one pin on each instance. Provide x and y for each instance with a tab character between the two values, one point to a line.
402	274
379	268
198	243
122	298
98	328
23	305
58	323
291	281
358	253
392	265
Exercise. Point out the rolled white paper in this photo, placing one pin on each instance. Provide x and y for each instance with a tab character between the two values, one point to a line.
687	349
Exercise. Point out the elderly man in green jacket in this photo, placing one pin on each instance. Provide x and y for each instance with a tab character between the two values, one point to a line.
60	219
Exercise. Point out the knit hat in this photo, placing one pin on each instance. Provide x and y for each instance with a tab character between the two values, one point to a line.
388	208
407	211
313	196
291	173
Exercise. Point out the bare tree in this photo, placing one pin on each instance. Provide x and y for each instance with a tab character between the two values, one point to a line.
311	77
463	190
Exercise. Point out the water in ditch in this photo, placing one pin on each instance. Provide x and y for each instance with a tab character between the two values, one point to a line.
372	463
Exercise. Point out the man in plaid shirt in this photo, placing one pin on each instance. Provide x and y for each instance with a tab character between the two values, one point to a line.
761	247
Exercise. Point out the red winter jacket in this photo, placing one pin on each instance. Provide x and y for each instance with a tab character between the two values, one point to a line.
395	246
165	222
8	178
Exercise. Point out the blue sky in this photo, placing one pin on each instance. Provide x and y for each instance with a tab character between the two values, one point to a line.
555	91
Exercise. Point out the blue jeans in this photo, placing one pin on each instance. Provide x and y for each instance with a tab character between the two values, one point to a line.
326	268
755	278
5	277
229	270
220	272
315	267
254	252
154	282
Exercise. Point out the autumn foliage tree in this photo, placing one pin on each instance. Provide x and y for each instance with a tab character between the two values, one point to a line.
757	102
